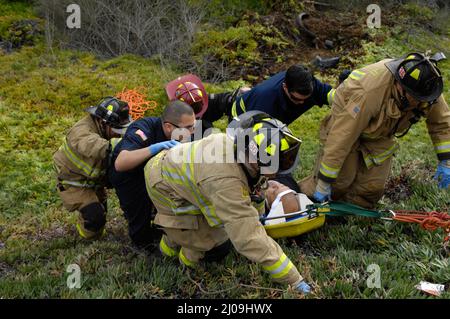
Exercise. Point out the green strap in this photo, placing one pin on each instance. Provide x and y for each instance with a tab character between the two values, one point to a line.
347	209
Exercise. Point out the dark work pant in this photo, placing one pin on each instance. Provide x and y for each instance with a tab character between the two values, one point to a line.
138	209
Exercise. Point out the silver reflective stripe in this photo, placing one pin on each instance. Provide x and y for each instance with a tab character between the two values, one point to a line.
79	163
173	175
327	171
280	268
78	184
442	147
212	220
187	209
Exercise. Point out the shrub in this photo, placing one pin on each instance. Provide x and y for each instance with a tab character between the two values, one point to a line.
18	32
110	28
18	26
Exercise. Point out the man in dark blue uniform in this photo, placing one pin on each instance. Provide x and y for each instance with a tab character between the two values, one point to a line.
286	95
143	139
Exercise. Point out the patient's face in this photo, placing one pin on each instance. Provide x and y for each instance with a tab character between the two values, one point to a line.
273	190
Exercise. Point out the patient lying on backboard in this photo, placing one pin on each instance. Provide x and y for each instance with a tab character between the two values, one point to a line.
281	200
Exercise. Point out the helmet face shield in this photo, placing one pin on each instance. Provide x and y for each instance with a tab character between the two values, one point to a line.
265	141
114	113
124	115
289	159
120	131
122	127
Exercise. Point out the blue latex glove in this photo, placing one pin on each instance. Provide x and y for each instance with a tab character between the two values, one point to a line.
443	174
303	287
323	191
321	197
158	147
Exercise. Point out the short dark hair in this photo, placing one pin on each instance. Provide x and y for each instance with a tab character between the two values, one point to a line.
299	79
175	110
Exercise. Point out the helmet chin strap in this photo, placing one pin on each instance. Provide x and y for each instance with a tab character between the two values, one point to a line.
100	125
104	130
262	183
255	180
404	100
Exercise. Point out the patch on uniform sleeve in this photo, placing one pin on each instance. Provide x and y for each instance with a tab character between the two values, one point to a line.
141	135
354	110
245	192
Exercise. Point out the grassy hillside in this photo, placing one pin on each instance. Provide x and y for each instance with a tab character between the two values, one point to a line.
43	93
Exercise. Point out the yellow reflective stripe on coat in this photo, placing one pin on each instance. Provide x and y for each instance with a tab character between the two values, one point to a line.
166	250
184	259
234	107
442	147
281	268
79	163
158	197
114	141
165	201
368	161
330	96
173	176
328	171
260	207
206	208
356	75
380	158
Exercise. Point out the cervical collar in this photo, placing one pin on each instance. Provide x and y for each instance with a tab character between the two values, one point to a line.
278	210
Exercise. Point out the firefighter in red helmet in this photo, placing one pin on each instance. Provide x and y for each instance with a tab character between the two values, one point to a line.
207	107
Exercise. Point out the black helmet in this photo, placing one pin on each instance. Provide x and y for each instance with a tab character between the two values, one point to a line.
264	140
419	75
113	112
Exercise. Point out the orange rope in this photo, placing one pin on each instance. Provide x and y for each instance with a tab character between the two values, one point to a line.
136	101
428	220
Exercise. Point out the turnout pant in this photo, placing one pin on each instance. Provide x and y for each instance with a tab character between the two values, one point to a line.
355	183
92	205
189	237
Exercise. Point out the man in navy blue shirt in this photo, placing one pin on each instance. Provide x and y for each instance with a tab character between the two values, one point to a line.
286	95
144	139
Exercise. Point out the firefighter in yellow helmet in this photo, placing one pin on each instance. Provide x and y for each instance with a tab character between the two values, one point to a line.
81	163
373	107
202	191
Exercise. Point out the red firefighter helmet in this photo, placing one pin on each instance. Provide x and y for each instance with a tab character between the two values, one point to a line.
189	89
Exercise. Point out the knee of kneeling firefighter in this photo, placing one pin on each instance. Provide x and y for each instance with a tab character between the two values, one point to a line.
218	253
367	196
94	216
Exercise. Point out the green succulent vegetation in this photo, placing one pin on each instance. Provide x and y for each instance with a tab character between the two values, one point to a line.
237	46
43	93
18	25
